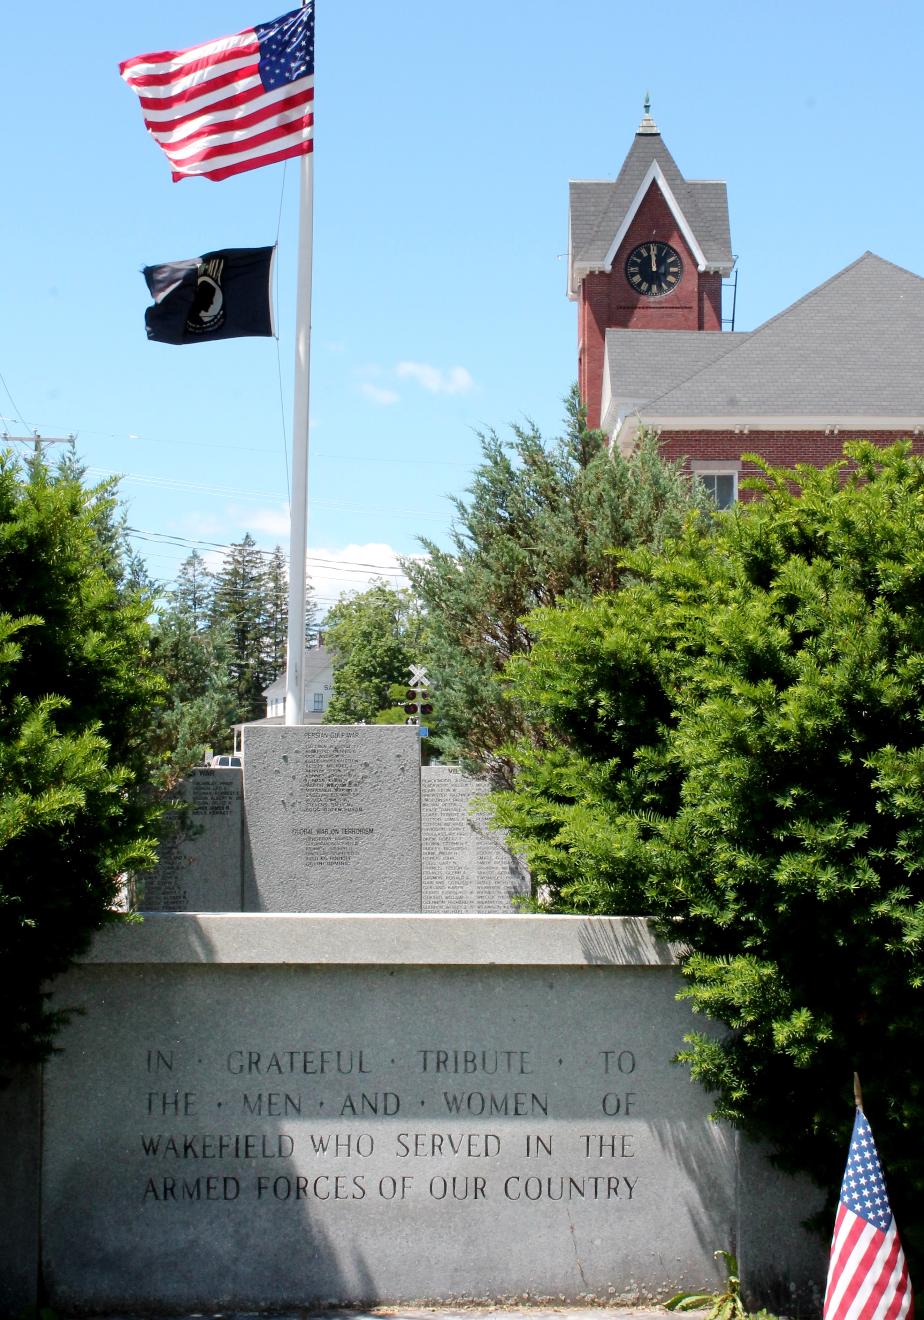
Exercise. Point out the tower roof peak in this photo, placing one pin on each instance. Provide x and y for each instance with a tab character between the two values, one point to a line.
648	125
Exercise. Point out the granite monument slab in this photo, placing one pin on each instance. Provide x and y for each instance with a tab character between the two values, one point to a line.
199	869
466	864
332	818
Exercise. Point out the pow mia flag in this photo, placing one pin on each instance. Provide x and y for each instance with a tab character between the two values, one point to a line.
220	295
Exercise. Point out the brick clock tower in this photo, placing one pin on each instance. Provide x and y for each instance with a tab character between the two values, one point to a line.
646	252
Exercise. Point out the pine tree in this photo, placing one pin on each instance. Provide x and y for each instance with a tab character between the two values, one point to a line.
192	595
277	614
193	660
239	605
541	524
311	615
276	623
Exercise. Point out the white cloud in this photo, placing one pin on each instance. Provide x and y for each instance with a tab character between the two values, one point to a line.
332	570
438	380
374	382
271	522
351	568
379	394
214	559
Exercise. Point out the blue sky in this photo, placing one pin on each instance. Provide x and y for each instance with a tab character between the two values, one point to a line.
445	139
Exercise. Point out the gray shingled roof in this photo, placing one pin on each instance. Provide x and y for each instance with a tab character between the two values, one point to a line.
852	347
646	363
598	208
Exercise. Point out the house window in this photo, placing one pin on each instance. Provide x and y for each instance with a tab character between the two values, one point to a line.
318	701
718	479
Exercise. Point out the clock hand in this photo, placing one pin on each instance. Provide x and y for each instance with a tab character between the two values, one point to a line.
651	249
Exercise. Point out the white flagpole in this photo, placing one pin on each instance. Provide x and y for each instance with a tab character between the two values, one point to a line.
298	511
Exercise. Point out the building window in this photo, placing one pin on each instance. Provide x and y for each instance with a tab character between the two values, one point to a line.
718	479
722	486
318	701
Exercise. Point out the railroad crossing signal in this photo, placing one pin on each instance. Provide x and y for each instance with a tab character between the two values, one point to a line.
417	697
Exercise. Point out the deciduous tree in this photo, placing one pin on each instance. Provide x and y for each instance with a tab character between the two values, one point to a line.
375	635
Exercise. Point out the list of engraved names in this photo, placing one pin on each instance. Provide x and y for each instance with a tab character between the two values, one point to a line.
332	785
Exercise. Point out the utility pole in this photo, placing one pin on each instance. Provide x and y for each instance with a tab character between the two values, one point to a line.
38	440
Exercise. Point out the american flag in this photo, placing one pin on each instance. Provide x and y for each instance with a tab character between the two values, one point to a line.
233	104
867	1275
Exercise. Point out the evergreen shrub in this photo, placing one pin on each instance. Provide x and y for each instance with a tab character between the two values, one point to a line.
733	744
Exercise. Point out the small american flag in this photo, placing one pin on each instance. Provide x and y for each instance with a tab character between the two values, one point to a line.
233	104
867	1275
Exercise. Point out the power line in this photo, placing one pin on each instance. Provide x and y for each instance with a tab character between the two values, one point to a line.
174	483
13	402
261	449
170	538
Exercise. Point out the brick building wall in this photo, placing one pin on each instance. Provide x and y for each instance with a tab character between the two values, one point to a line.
779	448
607	301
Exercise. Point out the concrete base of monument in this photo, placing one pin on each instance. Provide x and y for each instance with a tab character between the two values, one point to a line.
260	1112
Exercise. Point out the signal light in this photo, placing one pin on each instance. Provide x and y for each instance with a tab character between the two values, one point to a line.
417	698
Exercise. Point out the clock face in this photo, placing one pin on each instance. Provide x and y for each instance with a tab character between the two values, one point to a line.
654	269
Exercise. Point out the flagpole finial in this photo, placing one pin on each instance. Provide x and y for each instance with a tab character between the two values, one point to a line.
857	1093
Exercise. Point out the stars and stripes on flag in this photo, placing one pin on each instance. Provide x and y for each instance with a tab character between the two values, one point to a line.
234	104
867	1274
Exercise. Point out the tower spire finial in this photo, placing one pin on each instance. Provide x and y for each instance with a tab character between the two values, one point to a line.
647	125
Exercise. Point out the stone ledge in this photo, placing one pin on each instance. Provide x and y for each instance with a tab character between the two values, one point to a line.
461	1311
332	939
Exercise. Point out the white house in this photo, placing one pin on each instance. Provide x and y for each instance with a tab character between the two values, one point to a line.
319	677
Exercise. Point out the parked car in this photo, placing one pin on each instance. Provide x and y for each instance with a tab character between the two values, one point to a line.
226	761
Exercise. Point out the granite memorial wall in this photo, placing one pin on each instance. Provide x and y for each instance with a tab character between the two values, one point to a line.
262	1111
338	818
